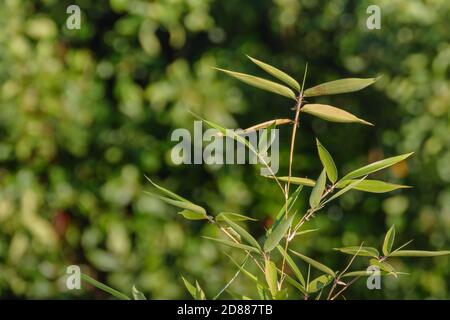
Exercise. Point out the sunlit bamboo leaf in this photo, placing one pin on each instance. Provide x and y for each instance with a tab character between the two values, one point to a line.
296	180
418	253
389	241
233	216
270	272
277	234
190	215
242	232
180	204
332	114
199	292
261	83
277	73
319	283
374	186
339	86
327	162
362	251
190	288
137	295
383	265
376	166
314	263
318	189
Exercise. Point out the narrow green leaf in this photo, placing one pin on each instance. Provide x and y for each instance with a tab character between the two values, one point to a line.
319	283
244	234
383	265
339	86
191	289
389	241
418	253
327	162
277	234
234	244
317	191
167	192
190	215
374	186
364	251
332	114
367	273
200	294
104	287
233	216
270	271
180	204
376	166
267	125
292	265
314	263
261	83
296	180
277	73
138	295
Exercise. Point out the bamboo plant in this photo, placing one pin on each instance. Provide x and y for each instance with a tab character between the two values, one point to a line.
278	265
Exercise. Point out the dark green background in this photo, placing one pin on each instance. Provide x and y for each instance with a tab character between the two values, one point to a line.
84	114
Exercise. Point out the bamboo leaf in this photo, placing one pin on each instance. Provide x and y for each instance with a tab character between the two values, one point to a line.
200	294
167	192
367	273
191	289
418	253
294	283
180	204
261	83
292	265
234	244
314	263
280	75
363	251
389	241
233	216
296	180
317	191
277	234
319	283
376	166
137	295
190	215
383	265
242	232
374	186
270	271
339	86
332	114
104	287
327	162
267	124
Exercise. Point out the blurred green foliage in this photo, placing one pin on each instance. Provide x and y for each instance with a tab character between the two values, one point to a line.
84	114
